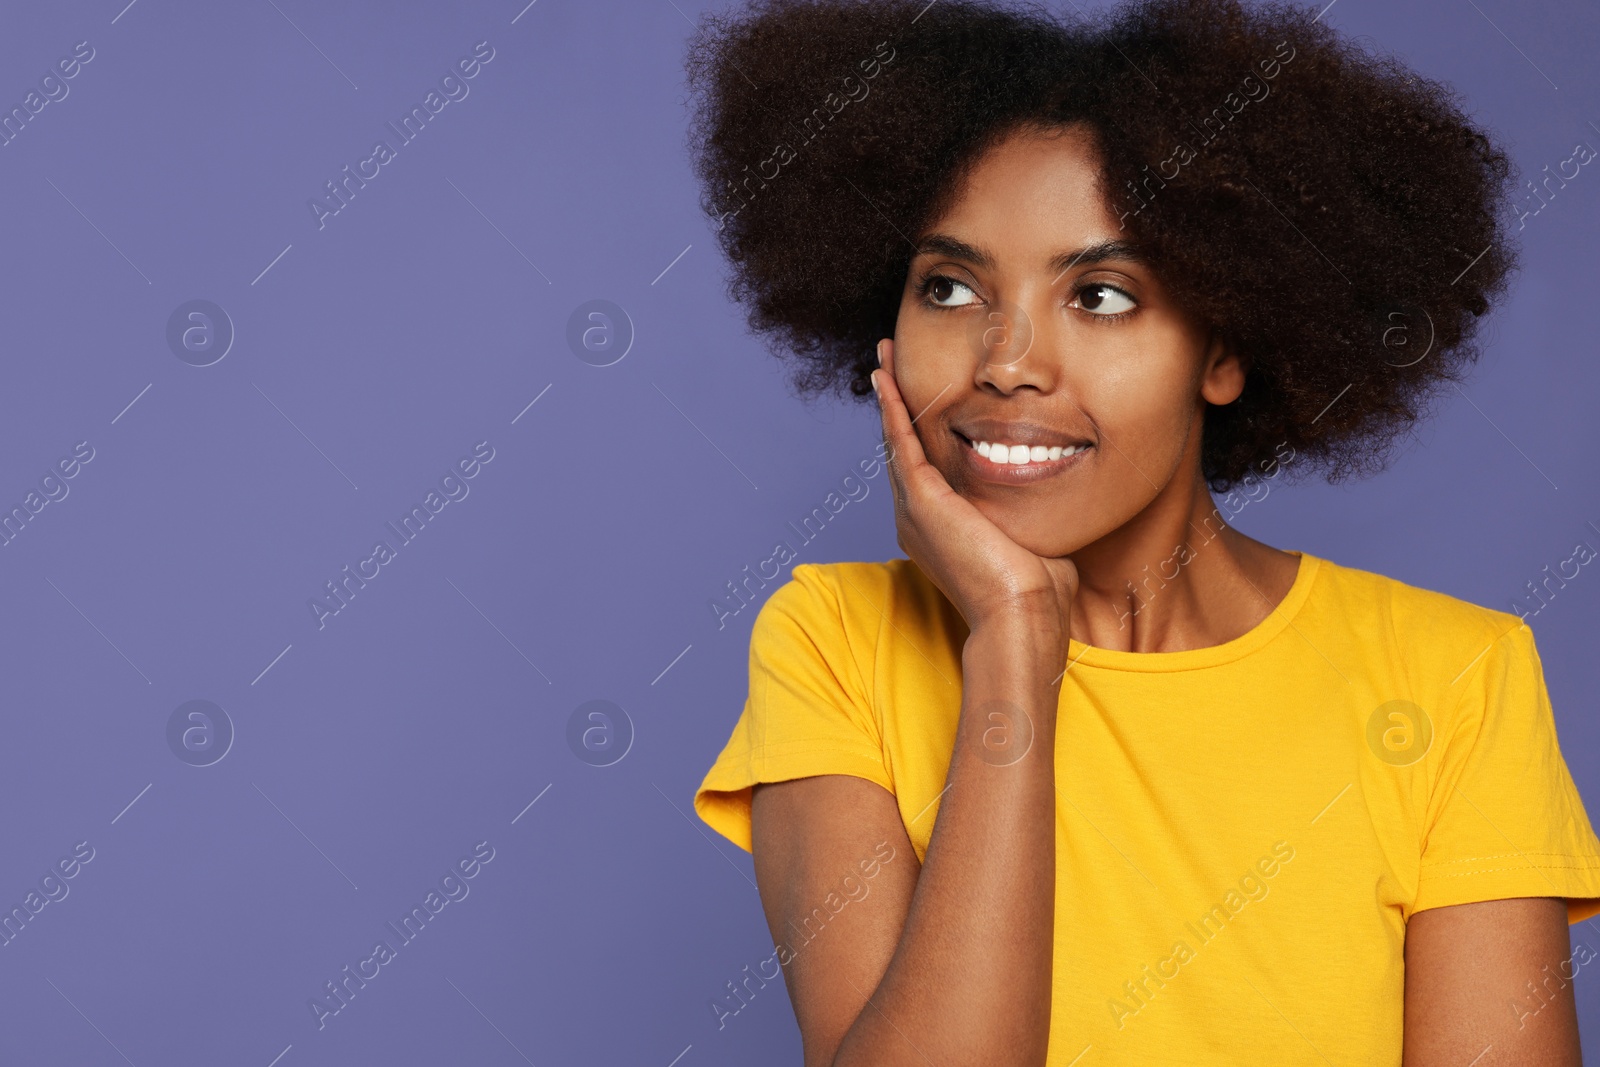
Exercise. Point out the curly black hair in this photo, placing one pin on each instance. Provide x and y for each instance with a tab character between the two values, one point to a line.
1334	214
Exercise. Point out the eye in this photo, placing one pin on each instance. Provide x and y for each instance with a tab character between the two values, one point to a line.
1104	300
937	288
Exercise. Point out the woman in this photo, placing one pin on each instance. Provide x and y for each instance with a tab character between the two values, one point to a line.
1093	777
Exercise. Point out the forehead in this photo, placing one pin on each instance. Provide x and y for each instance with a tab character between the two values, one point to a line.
1033	189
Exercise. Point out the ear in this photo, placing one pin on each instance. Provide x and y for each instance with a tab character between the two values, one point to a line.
1223	374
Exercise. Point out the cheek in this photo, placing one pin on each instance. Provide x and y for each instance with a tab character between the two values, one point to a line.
931	364
1141	392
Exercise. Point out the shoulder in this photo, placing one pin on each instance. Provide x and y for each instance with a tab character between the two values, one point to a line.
1418	621
858	589
858	601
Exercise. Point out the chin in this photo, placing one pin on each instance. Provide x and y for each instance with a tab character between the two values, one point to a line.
1050	543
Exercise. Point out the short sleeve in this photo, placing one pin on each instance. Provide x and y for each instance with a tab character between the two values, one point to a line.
1504	818
807	712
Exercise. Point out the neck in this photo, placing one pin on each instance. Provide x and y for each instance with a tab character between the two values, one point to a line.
1175	577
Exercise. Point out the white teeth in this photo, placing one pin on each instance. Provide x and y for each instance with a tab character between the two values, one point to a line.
1021	454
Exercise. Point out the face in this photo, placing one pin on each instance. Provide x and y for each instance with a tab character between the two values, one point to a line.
1028	323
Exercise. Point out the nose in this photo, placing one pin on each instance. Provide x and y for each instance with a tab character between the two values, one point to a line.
1013	348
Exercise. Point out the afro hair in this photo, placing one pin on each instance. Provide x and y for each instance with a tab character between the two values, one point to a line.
1332	213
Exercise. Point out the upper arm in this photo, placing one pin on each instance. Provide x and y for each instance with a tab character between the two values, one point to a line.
1491	979
836	873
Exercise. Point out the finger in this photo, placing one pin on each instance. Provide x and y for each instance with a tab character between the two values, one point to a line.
891	409
897	491
904	445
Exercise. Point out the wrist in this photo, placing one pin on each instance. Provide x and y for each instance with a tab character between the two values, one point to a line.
1025	646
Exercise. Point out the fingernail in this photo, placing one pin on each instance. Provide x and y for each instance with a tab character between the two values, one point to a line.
879	347
874	377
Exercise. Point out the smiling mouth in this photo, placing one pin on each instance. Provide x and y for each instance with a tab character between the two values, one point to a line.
1000	454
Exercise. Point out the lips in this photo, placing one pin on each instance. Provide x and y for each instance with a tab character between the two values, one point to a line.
1029	434
1057	460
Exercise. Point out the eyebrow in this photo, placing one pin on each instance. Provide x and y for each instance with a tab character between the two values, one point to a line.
944	244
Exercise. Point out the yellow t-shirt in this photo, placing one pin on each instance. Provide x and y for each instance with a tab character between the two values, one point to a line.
1242	831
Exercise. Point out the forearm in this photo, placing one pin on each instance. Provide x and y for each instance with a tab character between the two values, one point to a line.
970	980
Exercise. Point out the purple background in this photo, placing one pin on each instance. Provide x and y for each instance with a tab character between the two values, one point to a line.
430	712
